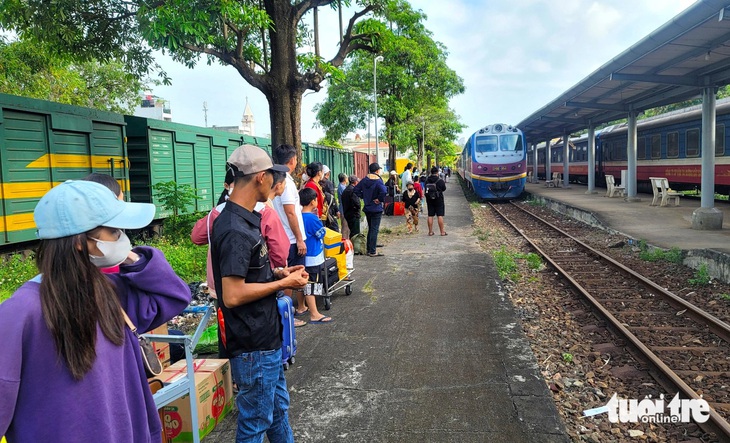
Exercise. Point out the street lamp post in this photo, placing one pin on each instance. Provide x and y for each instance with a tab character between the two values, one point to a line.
375	100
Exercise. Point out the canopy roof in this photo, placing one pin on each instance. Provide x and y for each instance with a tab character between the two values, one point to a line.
672	64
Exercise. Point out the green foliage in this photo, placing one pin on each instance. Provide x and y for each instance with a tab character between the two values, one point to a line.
174	197
725	297
187	260
534	261
701	277
324	141
414	85
506	261
506	264
567	357
14	271
532	201
33	70
673	255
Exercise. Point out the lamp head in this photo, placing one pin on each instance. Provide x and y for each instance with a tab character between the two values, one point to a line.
379	58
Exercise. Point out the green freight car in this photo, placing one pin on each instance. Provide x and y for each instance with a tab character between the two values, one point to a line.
43	144
161	151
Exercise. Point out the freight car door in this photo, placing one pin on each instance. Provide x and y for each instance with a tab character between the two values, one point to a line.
26	172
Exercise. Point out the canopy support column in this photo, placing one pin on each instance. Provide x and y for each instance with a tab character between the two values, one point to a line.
591	158
631	159
566	159
707	217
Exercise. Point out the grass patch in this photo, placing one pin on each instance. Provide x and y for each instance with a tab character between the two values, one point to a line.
385	231
673	255
701	277
481	235
532	201
187	259
14	271
506	263
725	297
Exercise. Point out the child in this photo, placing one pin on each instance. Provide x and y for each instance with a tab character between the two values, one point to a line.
314	230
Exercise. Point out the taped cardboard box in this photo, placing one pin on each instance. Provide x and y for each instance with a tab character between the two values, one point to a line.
214	390
162	349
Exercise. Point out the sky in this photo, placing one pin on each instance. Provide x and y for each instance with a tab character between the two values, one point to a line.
514	56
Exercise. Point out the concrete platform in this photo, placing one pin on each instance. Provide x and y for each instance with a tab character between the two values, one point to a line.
426	349
665	227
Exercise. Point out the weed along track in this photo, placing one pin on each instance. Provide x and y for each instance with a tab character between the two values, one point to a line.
685	347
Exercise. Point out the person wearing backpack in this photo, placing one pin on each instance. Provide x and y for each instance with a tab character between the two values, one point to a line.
372	191
435	187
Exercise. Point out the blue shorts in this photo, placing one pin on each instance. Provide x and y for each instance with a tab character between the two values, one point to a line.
294	257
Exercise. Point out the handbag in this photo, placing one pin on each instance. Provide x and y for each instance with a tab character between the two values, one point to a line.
150	360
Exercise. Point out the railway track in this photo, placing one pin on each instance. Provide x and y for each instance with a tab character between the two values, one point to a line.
687	348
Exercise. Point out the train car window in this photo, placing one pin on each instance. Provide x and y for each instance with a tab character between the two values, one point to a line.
656	146
693	143
641	148
719	140
585	154
511	142
673	145
486	144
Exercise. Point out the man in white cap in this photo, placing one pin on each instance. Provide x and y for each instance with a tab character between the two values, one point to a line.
247	287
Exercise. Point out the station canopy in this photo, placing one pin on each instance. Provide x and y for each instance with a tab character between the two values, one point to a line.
674	63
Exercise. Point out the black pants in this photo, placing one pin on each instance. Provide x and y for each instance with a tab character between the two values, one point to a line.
354	225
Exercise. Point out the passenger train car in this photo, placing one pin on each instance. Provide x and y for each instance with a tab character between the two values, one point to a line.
493	162
668	145
44	143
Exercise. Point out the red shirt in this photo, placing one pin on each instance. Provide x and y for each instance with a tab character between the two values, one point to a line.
417	187
320	196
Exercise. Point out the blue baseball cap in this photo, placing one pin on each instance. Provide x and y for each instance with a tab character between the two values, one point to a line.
75	207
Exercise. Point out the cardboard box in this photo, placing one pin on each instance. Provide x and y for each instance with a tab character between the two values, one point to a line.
332	243
214	390
162	349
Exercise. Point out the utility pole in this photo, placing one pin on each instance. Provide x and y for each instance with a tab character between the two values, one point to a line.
205	113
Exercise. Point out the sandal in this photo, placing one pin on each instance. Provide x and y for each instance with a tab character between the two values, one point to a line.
430	234
299	314
443	233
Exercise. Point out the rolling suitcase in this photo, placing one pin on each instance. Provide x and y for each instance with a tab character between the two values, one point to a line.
330	269
289	338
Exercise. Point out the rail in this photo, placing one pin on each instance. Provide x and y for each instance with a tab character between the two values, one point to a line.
716	422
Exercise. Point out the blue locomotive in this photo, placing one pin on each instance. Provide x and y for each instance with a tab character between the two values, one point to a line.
493	162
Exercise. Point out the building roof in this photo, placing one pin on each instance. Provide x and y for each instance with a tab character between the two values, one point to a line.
672	64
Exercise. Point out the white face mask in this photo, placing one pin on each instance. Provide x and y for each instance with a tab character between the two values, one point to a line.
115	252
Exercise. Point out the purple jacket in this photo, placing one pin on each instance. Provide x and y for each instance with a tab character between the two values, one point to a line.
39	399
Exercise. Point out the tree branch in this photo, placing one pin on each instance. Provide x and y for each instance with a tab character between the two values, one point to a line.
242	66
300	9
346	46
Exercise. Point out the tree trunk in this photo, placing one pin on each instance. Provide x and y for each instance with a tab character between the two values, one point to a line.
284	90
419	154
428	162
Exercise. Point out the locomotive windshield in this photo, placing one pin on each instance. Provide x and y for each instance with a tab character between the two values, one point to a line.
510	142
503	143
486	143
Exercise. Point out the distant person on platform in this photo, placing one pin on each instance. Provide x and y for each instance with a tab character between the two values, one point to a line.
435	187
412	202
351	206
342	178
372	190
407	175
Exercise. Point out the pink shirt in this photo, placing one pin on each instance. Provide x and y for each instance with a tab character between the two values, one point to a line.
200	236
277	241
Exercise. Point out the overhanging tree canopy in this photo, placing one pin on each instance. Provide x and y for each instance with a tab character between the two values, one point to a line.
259	38
414	84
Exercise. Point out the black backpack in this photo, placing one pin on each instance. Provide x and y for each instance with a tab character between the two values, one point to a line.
432	192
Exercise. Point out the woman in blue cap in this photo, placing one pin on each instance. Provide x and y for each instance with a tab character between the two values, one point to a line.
70	367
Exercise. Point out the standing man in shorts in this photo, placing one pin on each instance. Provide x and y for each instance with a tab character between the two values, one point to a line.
290	212
435	187
246	287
